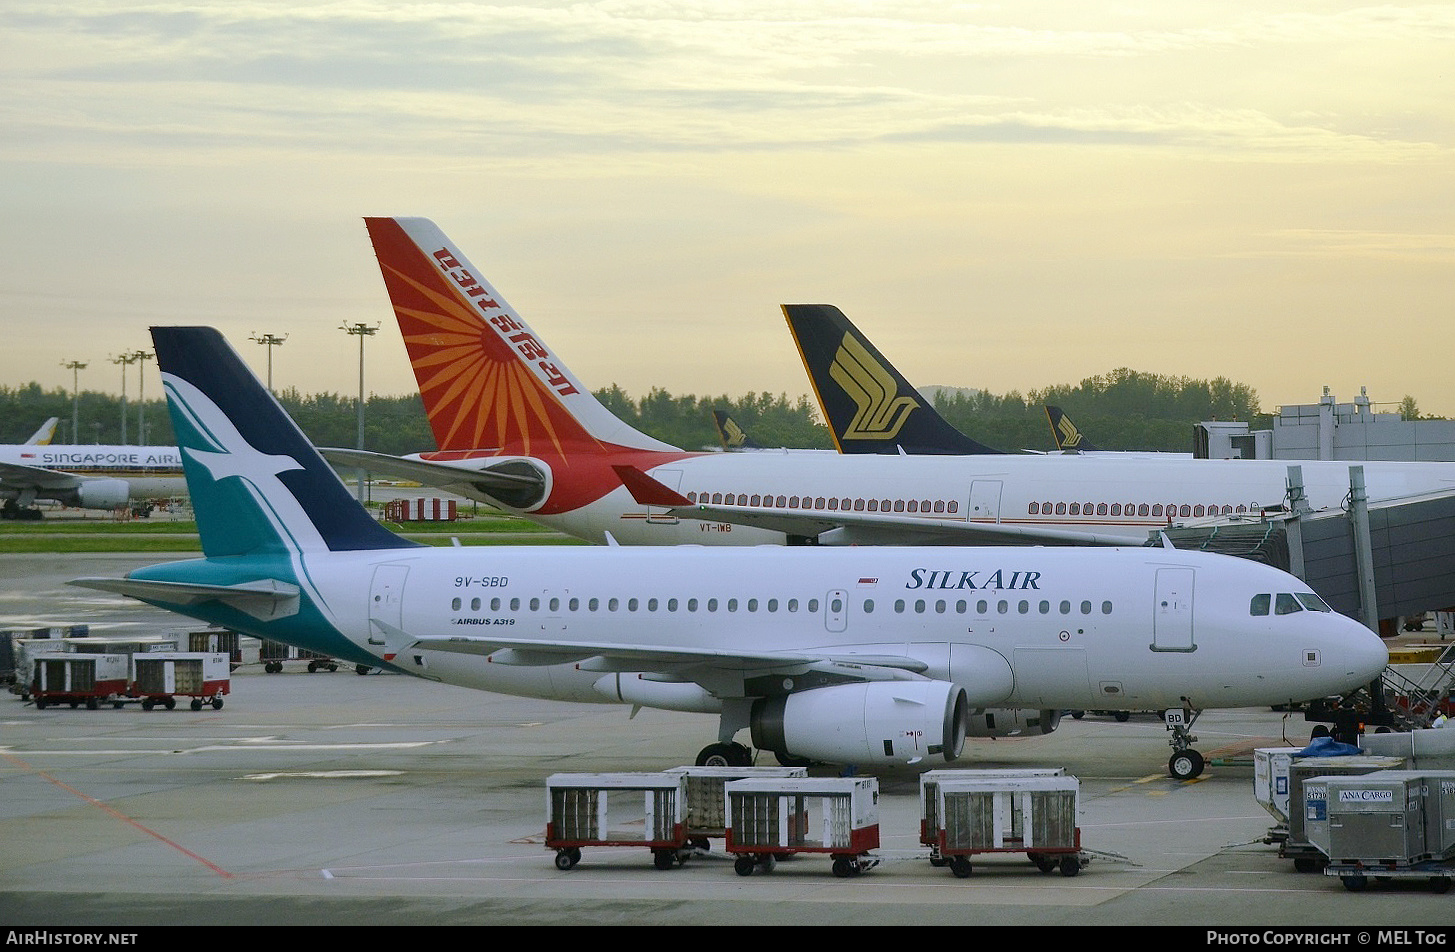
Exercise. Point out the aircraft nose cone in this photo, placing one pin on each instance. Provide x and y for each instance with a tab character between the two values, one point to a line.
1364	654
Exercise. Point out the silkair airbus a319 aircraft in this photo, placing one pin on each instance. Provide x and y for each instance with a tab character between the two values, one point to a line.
875	655
517	429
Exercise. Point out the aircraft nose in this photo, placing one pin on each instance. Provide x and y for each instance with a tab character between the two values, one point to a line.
1364	654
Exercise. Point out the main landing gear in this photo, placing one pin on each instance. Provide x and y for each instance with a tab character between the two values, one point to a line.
1185	763
730	754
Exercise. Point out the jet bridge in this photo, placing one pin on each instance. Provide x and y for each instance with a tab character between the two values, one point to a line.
1373	561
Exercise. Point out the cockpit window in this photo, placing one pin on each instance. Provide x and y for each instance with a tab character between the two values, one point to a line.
1312	602
1286	604
1259	605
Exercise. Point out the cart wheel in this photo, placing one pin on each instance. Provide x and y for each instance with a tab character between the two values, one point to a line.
1355	883
196	704
1123	716
75	704
39	704
118	704
170	702
92	704
1043	862
147	704
1307	864
960	866
1185	764
841	868
565	859
664	859
333	667
312	667
938	862
217	703
1439	884
361	669
1070	865
743	865
700	843
768	861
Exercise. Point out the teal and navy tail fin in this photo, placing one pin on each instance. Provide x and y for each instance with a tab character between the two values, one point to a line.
257	484
732	436
1068	438
869	406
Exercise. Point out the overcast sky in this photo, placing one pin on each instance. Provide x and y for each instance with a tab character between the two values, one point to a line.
1002	195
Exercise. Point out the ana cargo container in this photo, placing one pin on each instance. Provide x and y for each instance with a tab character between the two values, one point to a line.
772	818
1306	822
621	809
73	678
1031	815
162	677
1391	824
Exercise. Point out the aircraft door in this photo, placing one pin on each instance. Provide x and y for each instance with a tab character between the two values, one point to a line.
984	500
386	601
836	610
672	479
1172	611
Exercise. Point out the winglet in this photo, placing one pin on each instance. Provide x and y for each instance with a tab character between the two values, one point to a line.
648	491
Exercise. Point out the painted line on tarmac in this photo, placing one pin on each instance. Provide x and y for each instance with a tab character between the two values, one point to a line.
112	811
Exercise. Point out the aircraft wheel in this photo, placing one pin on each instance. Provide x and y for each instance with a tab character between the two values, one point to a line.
724	755
1185	764
1123	716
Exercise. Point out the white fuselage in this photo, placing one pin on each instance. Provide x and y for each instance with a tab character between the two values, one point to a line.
150	472
1135	628
1107	494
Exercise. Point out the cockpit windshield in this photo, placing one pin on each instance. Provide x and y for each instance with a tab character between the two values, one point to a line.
1286	603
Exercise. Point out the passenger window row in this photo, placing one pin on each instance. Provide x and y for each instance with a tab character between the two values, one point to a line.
1154	510
902	606
827	503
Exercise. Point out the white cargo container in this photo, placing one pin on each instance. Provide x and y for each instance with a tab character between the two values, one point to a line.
74	678
770	818
1031	815
617	809
706	813
161	677
1389	824
929	785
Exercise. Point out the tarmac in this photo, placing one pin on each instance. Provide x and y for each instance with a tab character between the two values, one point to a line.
339	799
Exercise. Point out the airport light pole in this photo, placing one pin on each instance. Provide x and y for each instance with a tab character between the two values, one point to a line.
271	341
75	367
124	360
361	331
141	357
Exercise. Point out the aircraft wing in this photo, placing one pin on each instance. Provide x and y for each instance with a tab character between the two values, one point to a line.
674	663
487	484
859	528
20	476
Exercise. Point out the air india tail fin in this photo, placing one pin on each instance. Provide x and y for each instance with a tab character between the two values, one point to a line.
869	406
487	379
1068	438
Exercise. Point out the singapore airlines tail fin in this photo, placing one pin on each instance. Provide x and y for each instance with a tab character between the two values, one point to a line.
869	406
44	435
257	485
732	436
488	380
1068	438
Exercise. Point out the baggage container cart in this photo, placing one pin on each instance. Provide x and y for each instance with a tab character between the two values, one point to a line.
770	818
620	809
68	677
162	677
929	784
1031	815
1306	823
706	811
273	653
1392	824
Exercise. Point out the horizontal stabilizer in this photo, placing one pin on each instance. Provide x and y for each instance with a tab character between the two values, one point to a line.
264	598
648	491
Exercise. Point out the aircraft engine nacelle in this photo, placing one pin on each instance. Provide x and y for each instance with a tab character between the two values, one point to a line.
532	493
1012	722
877	722
103	493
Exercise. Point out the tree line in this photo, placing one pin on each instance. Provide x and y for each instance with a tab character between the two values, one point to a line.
1120	410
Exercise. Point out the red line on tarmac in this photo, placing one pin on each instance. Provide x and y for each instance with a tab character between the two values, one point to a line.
116	813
